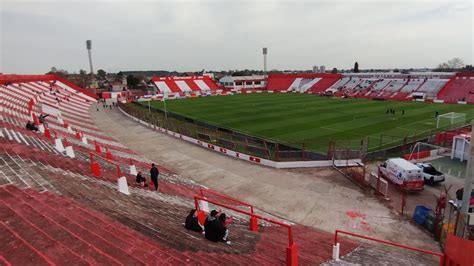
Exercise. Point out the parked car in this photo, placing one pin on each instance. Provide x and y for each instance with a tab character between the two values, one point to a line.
430	174
402	173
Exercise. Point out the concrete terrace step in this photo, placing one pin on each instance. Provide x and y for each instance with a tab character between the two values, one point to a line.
17	251
19	136
163	212
158	218
126	209
121	236
103	140
14	123
54	230
13	167
105	236
36	237
384	255
168	184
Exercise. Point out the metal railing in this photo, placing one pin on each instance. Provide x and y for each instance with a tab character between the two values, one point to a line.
437	254
204	191
95	168
291	253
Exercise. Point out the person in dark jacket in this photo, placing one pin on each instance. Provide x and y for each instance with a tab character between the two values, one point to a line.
42	118
140	179
192	222
154	175
31	126
223	231
211	227
215	227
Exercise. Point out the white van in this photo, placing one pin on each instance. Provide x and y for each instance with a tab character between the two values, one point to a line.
403	173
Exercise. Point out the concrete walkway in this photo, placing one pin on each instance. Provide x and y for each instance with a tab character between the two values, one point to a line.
320	198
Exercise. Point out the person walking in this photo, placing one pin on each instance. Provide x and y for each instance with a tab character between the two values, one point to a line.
154	175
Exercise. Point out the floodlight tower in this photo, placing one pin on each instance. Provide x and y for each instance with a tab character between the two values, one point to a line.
264	60
89	48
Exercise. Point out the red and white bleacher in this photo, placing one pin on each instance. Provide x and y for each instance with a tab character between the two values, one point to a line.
459	89
390	86
301	83
24	97
185	86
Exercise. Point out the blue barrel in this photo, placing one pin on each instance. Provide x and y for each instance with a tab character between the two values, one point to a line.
420	214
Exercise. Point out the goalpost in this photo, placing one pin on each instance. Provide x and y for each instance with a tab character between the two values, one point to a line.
450	119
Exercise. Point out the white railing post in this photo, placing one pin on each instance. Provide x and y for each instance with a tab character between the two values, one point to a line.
335	252
58	144
123	186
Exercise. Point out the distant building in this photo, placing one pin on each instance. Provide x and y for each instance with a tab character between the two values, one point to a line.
117	86
321	69
243	82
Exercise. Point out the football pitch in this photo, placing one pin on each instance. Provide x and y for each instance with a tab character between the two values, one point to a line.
314	120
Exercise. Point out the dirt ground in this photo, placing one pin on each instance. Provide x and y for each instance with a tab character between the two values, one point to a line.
316	197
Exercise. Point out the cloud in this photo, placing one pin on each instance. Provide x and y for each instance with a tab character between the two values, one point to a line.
195	35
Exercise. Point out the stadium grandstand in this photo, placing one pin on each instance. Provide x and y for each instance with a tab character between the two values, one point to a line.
265	133
71	187
195	85
390	86
59	203
301	83
459	88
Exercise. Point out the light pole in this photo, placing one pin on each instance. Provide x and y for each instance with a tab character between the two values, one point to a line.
89	47
265	50
166	112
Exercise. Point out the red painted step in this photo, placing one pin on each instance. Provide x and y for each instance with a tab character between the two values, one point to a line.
18	252
90	253
54	250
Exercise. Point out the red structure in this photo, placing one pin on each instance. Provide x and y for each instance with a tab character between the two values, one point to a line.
459	88
307	82
458	251
184	85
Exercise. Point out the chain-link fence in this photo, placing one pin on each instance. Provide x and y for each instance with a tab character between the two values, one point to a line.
228	138
395	146
368	148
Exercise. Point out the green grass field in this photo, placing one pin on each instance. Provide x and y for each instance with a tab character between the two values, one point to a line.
298	118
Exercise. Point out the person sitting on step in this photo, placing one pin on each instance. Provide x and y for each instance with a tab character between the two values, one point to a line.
223	230
192	222
214	229
141	180
211	226
31	126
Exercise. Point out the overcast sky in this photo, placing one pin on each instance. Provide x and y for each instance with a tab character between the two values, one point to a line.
223	35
